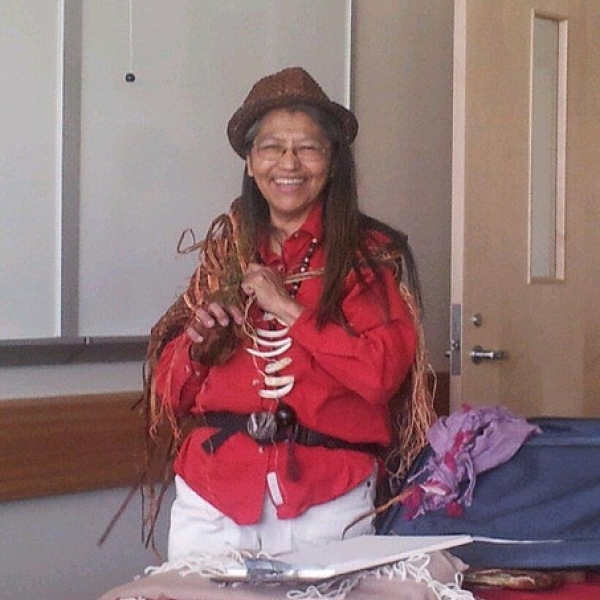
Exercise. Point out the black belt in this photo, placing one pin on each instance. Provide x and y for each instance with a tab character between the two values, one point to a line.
270	428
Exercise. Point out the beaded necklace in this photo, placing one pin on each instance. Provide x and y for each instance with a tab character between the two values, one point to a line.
304	267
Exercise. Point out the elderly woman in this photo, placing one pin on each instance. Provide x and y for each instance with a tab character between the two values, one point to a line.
293	337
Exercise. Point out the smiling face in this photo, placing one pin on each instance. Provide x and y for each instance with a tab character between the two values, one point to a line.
289	162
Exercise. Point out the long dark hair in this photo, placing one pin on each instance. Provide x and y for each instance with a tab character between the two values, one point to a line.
346	228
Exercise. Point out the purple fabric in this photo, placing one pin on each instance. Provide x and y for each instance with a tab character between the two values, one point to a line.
465	444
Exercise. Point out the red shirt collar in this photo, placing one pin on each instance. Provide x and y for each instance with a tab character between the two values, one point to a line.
312	227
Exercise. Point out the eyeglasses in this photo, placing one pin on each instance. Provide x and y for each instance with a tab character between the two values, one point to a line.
305	152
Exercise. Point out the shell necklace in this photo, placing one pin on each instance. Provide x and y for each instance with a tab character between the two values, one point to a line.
271	344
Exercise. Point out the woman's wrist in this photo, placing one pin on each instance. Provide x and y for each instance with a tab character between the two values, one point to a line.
289	311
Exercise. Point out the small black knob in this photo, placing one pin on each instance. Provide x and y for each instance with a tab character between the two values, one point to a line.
130	78
285	415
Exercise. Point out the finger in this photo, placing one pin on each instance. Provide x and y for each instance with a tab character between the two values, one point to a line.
237	315
219	313
255	277
253	268
248	283
202	316
194	335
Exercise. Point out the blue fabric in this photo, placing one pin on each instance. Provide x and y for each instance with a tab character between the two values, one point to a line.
550	490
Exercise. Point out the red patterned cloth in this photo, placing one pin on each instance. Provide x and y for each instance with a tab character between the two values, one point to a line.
585	590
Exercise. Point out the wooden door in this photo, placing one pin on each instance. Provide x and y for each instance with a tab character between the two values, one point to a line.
533	308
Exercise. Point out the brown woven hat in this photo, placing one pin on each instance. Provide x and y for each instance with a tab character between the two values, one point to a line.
285	88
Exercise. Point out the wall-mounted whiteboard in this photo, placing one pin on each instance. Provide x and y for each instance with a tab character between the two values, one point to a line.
100	176
29	161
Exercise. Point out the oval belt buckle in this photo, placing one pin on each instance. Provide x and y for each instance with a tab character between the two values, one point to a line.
261	426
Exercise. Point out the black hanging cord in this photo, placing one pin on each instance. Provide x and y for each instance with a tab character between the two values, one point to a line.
130	76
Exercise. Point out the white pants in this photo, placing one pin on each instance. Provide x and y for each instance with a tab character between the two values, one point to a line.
197	527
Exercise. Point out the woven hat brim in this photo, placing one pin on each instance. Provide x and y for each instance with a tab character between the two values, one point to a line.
247	115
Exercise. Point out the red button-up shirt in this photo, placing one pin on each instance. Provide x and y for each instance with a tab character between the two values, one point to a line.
342	386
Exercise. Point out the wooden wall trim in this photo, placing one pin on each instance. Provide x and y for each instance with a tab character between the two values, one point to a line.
61	445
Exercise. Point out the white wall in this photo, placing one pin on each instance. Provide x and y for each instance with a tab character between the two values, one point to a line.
402	94
49	551
403	99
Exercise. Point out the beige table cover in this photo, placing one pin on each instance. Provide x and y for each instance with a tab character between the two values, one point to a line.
442	571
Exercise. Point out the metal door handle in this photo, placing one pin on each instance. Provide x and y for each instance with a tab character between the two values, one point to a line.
478	354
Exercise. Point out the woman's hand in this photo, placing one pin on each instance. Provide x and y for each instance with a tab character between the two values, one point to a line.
270	294
207	317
